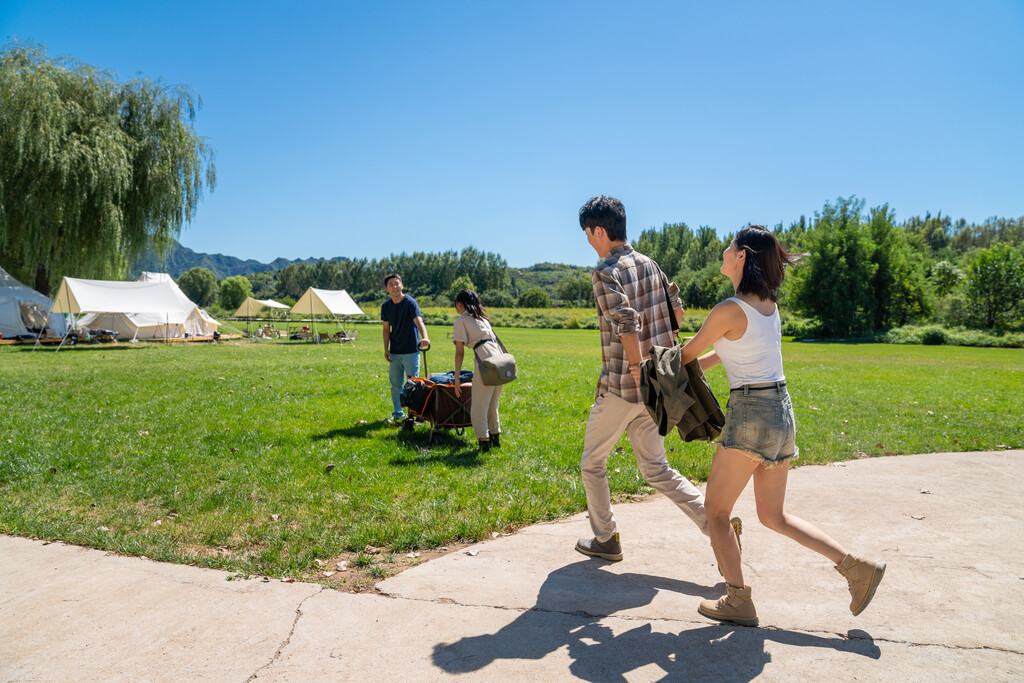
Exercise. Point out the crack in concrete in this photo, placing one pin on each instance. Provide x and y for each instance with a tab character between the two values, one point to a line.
580	614
288	638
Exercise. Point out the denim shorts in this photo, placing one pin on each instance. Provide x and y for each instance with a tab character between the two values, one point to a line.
759	421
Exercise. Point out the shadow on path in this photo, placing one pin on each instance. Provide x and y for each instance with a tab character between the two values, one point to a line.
714	651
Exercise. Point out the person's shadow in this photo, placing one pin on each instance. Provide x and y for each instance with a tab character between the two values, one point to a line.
714	651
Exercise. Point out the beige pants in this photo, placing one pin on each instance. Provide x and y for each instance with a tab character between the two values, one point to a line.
610	416
484	411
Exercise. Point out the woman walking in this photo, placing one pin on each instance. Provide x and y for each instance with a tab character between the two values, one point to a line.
759	438
473	329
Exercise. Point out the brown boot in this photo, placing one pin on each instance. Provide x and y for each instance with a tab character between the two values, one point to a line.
735	606
863	577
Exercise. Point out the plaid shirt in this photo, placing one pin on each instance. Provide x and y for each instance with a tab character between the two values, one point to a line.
630	299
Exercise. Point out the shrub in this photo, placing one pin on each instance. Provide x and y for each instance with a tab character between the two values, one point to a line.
802	328
934	336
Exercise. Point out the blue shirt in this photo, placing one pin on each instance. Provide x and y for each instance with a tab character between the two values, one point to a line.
405	338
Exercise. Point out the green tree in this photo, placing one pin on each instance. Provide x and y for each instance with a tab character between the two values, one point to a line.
461	282
945	278
534	297
834	283
233	291
94	173
497	298
294	279
200	285
575	290
994	286
897	285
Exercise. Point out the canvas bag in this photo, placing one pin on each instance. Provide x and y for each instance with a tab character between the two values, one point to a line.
497	369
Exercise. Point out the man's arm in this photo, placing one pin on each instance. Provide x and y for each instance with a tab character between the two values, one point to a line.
424	340
386	326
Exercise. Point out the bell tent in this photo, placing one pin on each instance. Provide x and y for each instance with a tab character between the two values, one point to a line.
24	311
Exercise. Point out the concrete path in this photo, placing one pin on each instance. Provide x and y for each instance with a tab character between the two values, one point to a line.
528	606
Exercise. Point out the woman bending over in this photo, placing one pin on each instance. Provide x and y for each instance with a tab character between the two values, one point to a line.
473	329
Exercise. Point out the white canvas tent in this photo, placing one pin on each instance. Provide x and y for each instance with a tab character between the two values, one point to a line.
333	302
153	307
251	307
22	307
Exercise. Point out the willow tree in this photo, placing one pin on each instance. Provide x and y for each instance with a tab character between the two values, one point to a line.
94	173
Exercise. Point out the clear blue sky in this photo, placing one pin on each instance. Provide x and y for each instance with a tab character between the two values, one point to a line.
362	129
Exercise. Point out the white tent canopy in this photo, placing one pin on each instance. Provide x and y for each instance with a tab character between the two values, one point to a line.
251	307
325	302
154	307
22	307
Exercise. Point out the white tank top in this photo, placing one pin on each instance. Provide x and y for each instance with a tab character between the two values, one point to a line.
756	357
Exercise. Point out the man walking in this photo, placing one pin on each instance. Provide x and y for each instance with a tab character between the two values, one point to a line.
404	335
630	293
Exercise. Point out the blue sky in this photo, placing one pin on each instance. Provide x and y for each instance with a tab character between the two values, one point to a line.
364	129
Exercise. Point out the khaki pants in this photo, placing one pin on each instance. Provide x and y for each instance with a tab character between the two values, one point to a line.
610	416
484	410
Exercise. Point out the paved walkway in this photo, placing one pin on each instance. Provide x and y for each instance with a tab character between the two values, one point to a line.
527	606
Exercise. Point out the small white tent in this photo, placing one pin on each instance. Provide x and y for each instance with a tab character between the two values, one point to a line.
326	302
251	307
22	307
333	302
153	307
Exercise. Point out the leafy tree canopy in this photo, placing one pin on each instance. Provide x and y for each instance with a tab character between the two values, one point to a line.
233	291
94	172
200	285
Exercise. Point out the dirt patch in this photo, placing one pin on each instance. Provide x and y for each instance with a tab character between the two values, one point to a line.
361	572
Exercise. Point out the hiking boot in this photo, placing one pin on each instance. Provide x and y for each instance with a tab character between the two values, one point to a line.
863	577
496	440
735	606
608	550
485	446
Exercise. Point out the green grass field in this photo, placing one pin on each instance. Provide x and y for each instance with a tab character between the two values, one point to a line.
218	455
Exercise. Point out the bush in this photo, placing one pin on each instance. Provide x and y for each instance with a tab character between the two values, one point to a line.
496	298
802	328
534	298
934	335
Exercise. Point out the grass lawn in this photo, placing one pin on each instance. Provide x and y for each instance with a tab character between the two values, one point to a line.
220	455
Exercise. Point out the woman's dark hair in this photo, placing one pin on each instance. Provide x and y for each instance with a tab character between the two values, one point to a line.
469	299
765	266
606	212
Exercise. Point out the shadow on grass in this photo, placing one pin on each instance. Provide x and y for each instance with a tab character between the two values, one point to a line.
448	448
574	600
360	430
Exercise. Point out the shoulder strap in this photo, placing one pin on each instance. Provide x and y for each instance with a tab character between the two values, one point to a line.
668	302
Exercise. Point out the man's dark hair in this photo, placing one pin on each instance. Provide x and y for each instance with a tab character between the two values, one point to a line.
765	265
389	277
606	212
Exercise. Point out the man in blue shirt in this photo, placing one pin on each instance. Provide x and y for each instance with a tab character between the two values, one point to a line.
404	335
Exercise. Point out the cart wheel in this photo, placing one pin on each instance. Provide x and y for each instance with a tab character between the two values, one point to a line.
408	424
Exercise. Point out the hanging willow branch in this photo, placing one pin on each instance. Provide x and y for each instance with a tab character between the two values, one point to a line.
94	173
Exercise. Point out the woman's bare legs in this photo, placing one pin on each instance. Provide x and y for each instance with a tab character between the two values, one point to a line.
730	472
770	495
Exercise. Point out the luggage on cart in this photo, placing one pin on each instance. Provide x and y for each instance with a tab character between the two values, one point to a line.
432	399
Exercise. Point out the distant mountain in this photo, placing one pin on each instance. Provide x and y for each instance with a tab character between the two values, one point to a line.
182	259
